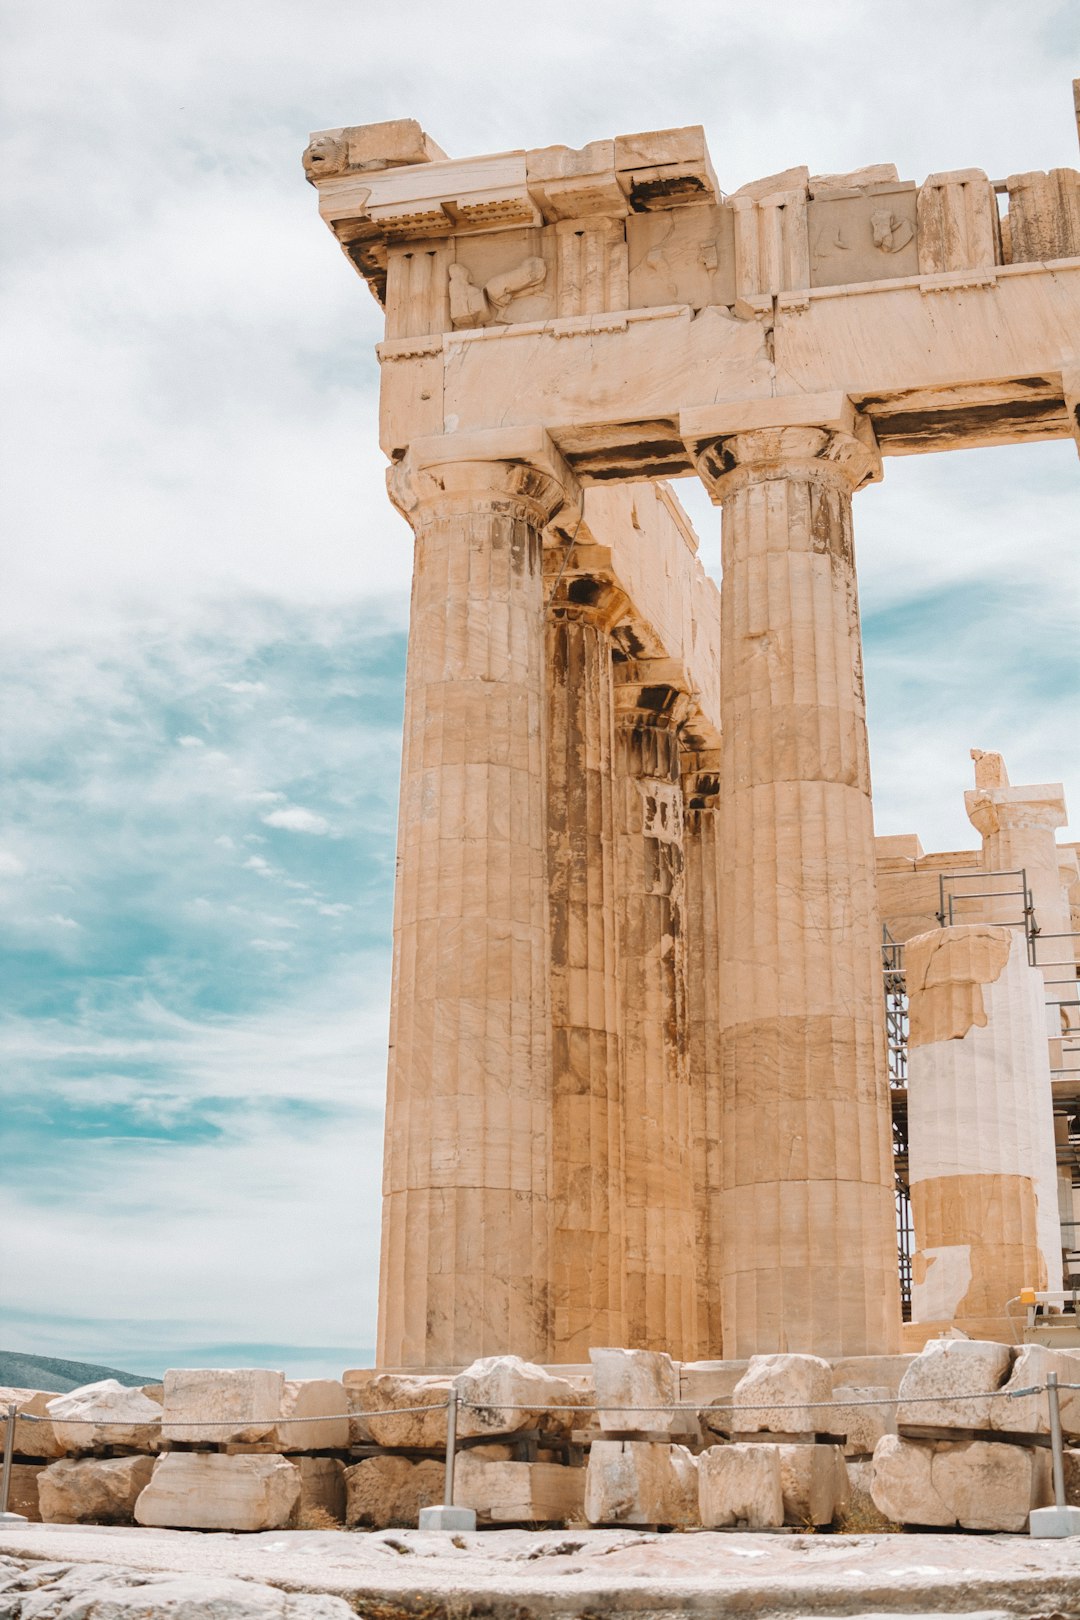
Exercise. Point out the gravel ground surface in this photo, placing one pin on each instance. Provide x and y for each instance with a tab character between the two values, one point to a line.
511	1574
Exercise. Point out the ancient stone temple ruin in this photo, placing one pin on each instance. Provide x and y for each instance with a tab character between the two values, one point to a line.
651	1077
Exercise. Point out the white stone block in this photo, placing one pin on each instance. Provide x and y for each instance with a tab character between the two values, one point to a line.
641	1482
637	1389
951	1370
423	1430
977	1484
1056	1522
389	1492
192	1490
224	1406
813	1483
503	1395
782	1394
740	1485
325	1402
92	1490
107	1413
519	1492
34	1432
1030	1414
863	1425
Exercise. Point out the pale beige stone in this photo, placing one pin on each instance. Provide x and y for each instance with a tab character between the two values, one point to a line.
783	1394
226	1406
641	1482
503	1394
862	1424
191	1490
106	1413
976	1484
1030	1414
323	1400
34	1432
388	1492
740	1485
812	1483
935	1389
422	1429
93	1490
638	1389
518	1492
322	1486
358	1384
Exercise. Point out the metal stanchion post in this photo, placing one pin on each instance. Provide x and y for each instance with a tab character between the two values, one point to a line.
1059	1520
5	1482
449	1517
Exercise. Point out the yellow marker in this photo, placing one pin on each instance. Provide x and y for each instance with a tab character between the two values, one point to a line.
1027	1296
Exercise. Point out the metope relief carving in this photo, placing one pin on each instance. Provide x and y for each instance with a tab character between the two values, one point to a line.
471	305
863	235
681	256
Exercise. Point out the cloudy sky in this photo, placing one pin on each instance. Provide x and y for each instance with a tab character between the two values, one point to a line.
204	592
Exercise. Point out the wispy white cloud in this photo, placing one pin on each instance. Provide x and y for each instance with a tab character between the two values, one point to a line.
294	818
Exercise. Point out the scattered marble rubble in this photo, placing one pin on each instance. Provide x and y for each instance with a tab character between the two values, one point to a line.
777	1441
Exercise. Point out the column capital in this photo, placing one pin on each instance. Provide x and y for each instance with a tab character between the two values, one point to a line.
580	585
652	692
700	771
519	468
818	437
997	809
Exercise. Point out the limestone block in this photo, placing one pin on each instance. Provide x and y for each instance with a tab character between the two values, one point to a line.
813	1483
388	1492
322	1486
951	1369
226	1406
34	1433
424	1430
23	1490
863	1425
957	220
505	1394
770	1396
321	1399
641	1482
886	1371
358	1382
974	1483
740	1485
192	1490
519	1492
93	1491
1044	216
1030	1414
109	1414
862	233
635	1388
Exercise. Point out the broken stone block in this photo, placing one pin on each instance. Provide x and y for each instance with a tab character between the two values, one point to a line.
636	1389
323	1401
740	1485
977	1484
519	1492
875	1371
23	1490
424	1431
385	1493
641	1482
503	1395
863	1425
357	1382
322	1486
962	1375
224	1406
1030	1414
34	1433
783	1394
107	1413
93	1490
192	1490
813	1483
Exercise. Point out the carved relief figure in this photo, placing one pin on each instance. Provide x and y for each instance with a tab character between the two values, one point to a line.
471	305
890	234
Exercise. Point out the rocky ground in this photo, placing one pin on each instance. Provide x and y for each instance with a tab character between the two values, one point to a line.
72	1572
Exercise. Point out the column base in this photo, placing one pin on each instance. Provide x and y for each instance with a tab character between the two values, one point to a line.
447	1518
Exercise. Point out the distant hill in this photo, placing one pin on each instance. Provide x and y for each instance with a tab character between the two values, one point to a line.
20	1371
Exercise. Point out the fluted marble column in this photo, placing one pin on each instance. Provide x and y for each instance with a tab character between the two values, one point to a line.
467	1182
660	1280
806	1210
701	846
587	1236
